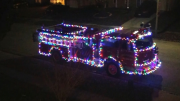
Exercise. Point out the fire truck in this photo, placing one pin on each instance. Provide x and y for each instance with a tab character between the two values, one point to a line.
117	50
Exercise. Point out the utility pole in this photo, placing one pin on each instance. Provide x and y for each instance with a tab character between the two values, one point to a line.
116	3
127	4
157	15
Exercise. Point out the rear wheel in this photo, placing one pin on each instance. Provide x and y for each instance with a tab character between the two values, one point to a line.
56	56
113	69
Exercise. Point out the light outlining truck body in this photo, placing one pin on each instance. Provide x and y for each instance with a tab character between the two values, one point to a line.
117	50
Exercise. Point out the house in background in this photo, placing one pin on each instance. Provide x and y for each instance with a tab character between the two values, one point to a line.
42	1
164	5
48	1
32	2
82	3
57	1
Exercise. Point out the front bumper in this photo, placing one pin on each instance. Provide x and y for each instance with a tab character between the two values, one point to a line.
143	70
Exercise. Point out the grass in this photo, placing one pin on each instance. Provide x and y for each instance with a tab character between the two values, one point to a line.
115	89
2	35
165	21
5	29
168	26
118	17
6	21
169	36
15	90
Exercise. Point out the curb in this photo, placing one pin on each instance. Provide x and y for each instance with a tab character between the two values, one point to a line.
19	75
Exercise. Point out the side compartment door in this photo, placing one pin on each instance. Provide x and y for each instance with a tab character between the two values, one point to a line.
110	49
126	53
83	51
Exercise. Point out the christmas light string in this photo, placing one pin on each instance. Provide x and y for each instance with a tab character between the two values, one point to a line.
62	40
83	28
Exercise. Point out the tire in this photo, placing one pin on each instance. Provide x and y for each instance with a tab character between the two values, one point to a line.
113	69
56	56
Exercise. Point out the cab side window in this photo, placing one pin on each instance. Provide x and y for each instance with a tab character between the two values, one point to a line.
116	44
111	44
125	45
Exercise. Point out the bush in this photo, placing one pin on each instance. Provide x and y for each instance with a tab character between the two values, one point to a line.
62	81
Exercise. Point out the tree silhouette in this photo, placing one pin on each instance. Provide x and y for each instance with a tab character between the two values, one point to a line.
101	4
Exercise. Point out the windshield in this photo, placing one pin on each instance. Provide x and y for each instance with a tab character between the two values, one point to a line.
145	42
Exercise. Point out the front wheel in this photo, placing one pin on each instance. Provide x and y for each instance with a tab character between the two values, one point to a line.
113	69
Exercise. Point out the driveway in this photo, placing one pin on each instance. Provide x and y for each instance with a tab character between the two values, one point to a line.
134	23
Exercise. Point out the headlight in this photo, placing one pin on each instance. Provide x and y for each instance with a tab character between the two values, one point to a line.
156	50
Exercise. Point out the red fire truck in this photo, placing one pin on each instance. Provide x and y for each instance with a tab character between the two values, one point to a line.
117	50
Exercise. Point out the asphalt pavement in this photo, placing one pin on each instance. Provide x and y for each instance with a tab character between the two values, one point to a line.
134	23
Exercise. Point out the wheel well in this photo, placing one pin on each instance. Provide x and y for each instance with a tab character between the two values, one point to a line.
110	61
107	63
55	50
